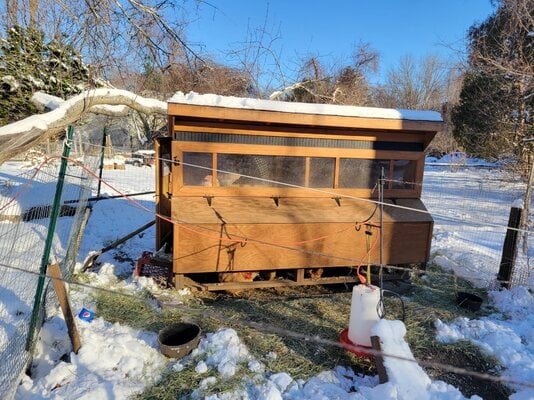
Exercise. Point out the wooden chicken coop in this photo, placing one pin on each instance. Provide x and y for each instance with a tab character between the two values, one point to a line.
256	185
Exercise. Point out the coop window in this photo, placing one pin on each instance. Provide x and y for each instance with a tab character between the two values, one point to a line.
361	173
404	174
256	170
197	169
321	172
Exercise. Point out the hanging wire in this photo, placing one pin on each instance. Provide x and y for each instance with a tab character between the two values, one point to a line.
380	307
199	228
269	328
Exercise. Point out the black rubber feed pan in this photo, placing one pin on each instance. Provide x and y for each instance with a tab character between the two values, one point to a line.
178	340
469	301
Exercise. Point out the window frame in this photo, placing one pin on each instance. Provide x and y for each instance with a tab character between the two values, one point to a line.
180	147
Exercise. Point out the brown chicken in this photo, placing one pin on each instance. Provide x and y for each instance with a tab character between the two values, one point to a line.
226	277
315	273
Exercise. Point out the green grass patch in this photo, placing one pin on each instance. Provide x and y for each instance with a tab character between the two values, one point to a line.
139	313
173	385
314	311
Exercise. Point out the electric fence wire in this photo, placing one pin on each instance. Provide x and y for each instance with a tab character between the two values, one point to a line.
269	328
349	197
315	338
244	239
337	194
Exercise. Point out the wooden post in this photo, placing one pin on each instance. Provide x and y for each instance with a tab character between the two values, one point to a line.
300	275
379	360
526	204
179	281
61	293
510	247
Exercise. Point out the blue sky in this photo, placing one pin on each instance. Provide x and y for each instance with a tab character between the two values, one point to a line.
331	28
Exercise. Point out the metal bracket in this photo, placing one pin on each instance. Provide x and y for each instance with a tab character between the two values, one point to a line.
209	199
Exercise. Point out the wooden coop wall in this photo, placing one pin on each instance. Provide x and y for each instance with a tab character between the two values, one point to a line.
224	221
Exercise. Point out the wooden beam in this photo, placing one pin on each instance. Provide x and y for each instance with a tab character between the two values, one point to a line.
61	293
300	275
278	283
183	111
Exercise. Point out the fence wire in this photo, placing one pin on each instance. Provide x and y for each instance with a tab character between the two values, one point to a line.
25	204
465	210
470	208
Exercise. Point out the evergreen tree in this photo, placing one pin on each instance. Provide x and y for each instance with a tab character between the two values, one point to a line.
497	98
484	118
30	63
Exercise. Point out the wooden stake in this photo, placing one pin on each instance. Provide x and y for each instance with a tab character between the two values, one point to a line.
379	360
61	292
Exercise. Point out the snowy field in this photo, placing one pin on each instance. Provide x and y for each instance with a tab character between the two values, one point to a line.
116	361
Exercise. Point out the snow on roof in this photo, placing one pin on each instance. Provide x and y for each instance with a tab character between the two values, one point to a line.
214	100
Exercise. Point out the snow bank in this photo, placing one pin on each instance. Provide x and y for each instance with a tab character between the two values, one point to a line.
222	350
115	362
222	354
406	379
509	340
303	108
409	377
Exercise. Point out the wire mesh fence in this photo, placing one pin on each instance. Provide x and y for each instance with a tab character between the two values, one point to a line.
470	208
467	209
26	198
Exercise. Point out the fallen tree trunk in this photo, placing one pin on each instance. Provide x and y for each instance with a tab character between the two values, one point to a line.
20	136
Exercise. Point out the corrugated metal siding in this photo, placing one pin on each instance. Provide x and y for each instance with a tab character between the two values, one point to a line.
295	142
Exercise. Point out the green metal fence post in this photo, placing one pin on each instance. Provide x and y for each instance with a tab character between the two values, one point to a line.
54	213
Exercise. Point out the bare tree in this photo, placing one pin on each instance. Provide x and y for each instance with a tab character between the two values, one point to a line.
428	83
109	34
444	142
200	77
259	57
415	84
348	84
502	45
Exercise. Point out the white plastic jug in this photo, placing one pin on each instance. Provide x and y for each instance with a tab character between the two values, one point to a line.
363	313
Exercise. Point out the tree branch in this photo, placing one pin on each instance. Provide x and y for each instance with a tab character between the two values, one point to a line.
22	135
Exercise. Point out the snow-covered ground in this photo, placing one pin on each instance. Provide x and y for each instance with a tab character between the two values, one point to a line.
117	361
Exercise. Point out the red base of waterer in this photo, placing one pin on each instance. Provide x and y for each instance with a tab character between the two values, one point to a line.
349	345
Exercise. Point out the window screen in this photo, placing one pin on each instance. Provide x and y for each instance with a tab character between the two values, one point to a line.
361	173
321	172
404	174
199	172
256	170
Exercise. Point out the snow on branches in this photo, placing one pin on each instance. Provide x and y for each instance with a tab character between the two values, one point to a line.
21	135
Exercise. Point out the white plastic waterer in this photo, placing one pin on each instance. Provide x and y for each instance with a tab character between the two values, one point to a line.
363	313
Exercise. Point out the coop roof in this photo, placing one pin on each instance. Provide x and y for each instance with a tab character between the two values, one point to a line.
213	100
